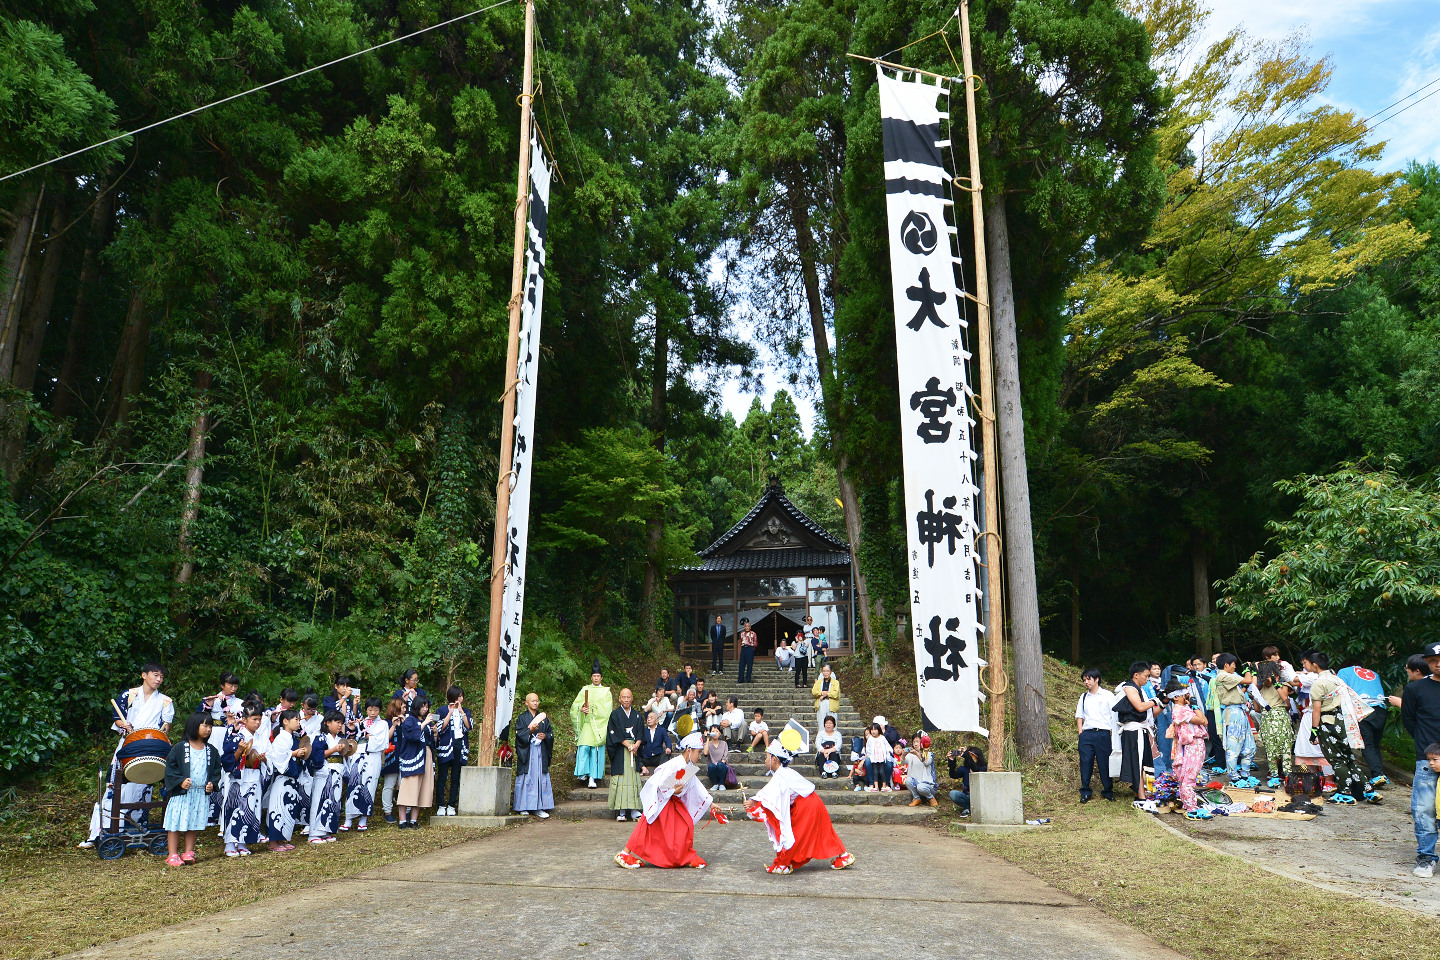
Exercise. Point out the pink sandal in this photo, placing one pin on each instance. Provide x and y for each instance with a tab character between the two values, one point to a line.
187	858
174	861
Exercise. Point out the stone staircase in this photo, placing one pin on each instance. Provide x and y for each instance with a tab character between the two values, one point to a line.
774	690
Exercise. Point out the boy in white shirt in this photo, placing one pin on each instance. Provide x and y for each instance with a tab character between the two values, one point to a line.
759	732
1095	722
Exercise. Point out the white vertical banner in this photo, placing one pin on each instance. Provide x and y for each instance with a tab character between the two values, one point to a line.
521	466
941	497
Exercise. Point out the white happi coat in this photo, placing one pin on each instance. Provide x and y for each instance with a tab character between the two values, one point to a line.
658	790
140	711
784	788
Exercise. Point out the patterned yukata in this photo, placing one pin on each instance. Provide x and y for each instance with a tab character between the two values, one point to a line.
1239	742
1276	734
1188	753
1337	750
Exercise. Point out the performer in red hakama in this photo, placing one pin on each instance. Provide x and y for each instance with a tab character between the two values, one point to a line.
672	801
794	815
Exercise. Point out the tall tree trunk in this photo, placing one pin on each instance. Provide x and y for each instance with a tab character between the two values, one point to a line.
194	476
67	386
12	279
1200	586
1075	615
834	417
37	317
127	375
655	527
1032	726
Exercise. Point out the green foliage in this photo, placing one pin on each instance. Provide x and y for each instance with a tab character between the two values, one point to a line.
1355	570
48	105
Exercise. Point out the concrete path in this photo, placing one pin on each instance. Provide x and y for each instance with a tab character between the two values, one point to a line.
1363	850
551	890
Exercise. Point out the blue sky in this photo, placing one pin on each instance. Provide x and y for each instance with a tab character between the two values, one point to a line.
1379	50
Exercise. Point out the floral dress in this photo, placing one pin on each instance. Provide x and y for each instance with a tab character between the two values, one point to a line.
191	810
1188	753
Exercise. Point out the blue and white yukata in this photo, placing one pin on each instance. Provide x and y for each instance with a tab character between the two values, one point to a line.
285	806
140	711
363	769
240	823
326	786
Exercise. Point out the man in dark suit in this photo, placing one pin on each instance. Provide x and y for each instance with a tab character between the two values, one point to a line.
717	647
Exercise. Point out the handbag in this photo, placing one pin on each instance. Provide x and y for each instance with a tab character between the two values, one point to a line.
731	781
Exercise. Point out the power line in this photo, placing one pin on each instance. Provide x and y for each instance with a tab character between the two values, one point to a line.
246	93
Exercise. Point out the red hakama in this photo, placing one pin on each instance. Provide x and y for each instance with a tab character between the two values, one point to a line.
670	840
815	837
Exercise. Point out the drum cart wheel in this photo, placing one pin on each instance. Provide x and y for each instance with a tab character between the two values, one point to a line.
111	847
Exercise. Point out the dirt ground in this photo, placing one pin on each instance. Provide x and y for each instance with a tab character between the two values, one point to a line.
1364	850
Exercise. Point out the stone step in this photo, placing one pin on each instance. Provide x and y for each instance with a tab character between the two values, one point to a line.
572	810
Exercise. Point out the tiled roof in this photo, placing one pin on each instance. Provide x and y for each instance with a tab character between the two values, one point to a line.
775	494
781	559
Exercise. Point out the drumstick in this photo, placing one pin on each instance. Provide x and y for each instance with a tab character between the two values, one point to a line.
118	712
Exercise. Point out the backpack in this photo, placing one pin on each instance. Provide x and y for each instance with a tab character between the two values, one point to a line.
731	781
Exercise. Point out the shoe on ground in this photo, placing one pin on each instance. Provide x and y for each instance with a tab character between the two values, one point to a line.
934	802
1084	799
590	782
187	858
916	802
1380	781
86	844
964	814
1199	815
174	861
843	861
1344	799
780	870
721	788
1426	869
1273	783
1373	798
439	812
344	827
391	818
858	789
620	818
627	860
543	815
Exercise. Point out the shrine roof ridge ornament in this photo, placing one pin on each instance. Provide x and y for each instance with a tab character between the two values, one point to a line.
774	533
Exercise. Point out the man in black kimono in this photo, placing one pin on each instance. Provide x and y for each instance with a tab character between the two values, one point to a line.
622	741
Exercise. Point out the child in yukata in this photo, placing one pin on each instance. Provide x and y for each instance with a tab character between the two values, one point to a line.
1189	732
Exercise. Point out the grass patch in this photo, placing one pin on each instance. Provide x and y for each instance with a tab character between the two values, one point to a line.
59	901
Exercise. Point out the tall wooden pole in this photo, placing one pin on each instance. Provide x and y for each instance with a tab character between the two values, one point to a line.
507	413
994	552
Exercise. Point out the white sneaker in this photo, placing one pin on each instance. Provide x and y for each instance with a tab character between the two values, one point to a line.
543	815
450	811
1426	869
721	788
86	844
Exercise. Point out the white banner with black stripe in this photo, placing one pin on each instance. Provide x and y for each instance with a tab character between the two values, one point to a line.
941	497
521	465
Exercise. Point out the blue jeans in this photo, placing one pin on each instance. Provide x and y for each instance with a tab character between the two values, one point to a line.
717	773
878	774
747	665
1094	751
1162	739
918	790
1422	808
